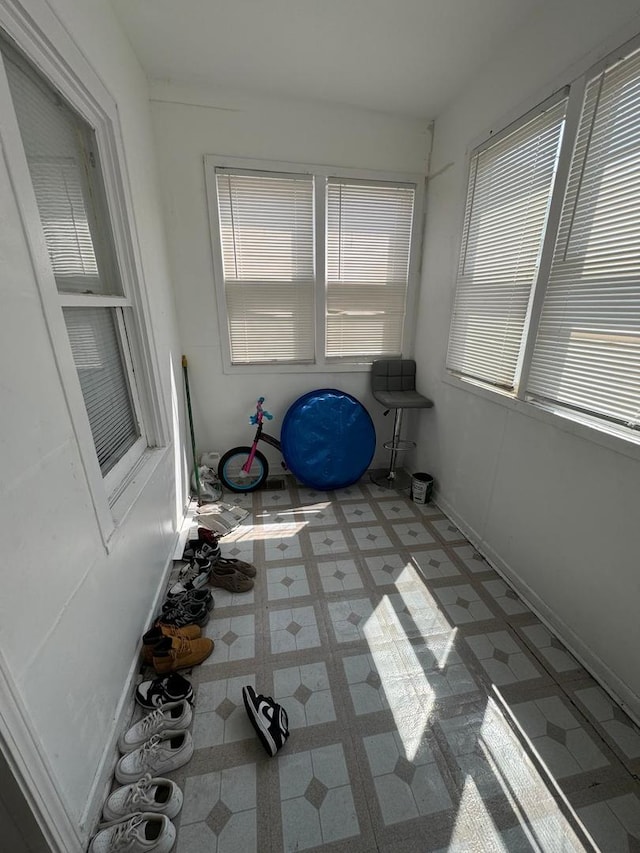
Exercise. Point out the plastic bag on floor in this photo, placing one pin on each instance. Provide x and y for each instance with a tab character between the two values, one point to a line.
210	487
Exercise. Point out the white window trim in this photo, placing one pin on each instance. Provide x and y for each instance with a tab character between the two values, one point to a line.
50	48
322	364
589	428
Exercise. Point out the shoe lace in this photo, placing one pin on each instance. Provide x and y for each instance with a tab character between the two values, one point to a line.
138	791
177	617
189	573
151	720
183	648
125	833
149	749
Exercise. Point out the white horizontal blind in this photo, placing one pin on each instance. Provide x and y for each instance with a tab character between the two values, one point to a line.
105	387
587	352
267	240
66	183
72	208
369	227
510	185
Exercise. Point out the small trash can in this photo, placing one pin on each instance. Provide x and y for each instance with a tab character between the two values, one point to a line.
421	488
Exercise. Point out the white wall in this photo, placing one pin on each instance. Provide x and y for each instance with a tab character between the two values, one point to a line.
189	124
71	614
555	511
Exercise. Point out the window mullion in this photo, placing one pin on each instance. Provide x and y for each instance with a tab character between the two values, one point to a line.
92	300
320	266
538	291
125	349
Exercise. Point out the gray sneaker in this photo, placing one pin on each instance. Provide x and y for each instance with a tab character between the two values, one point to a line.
172	715
159	796
160	754
143	832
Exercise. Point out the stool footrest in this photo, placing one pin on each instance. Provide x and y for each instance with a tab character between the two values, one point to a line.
398	480
399	445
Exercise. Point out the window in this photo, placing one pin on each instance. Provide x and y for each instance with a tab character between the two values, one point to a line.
312	267
507	203
93	321
64	164
548	295
368	247
266	233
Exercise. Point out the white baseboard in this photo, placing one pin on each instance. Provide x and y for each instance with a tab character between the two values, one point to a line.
596	667
102	781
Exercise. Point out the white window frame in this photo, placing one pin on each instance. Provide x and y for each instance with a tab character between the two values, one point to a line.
589	427
50	49
321	363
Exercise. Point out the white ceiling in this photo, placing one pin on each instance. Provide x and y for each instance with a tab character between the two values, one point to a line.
402	56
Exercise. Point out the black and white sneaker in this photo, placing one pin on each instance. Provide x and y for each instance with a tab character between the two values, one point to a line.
268	718
202	550
165	688
194	575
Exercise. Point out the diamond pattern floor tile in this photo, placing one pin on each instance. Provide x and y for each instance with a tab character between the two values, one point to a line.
317	800
339	575
234	638
427	706
293	630
290	582
306	694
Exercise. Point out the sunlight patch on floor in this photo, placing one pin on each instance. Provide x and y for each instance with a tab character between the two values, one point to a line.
405	685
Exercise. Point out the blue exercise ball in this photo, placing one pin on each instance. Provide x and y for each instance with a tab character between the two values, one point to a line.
328	439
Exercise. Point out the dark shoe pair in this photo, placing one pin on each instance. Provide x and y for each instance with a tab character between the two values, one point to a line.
207	543
166	688
268	719
180	615
201	549
196	597
190	607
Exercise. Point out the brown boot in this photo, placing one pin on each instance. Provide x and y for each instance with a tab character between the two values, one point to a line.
173	653
155	634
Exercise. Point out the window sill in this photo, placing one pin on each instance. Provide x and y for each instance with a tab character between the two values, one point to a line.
563	419
327	367
124	498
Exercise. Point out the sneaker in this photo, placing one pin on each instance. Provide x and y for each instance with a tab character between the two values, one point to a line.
159	755
193	596
206	535
228	578
167	688
173	653
193	576
232	563
268	718
155	634
157	795
198	549
143	832
172	715
185	614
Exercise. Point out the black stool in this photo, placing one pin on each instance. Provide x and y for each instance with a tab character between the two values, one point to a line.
393	383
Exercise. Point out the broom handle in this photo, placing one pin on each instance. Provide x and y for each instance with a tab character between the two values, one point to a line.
193	436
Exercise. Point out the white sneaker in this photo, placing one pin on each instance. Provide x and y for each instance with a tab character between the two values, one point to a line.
160	754
193	576
139	833
172	715
160	796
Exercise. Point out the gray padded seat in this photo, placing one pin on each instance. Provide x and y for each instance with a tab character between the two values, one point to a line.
393	384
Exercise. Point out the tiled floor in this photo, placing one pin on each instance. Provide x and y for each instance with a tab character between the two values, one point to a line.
430	710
